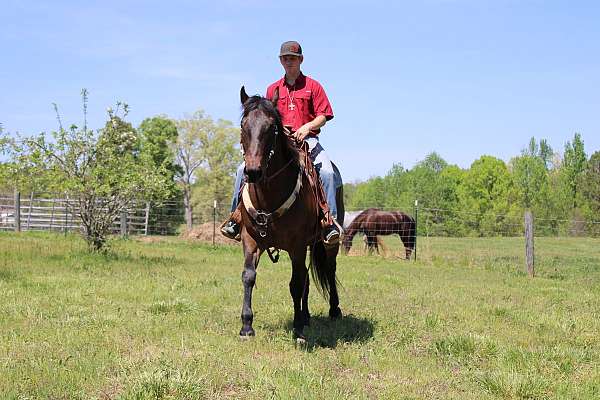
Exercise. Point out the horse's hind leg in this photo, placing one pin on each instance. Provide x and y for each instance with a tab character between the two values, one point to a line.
305	311
334	300
298	287
408	246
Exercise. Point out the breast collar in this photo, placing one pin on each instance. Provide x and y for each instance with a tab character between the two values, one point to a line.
262	218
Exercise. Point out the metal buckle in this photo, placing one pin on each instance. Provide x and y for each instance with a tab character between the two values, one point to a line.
262	218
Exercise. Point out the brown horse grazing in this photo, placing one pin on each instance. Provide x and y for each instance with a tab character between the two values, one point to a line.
280	211
373	222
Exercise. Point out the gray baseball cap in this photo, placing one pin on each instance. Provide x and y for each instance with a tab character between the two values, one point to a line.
290	48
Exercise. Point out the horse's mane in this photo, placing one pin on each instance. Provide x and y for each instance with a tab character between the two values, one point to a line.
257	102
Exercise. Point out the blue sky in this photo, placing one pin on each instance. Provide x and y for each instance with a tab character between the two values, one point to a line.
460	77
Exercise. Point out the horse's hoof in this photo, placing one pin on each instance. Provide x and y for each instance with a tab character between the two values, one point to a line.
299	335
335	313
246	334
300	339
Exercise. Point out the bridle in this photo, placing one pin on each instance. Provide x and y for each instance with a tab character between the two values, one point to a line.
271	151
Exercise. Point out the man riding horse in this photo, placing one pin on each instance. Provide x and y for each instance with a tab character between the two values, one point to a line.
304	109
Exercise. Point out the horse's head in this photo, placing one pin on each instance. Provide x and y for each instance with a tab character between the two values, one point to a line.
261	125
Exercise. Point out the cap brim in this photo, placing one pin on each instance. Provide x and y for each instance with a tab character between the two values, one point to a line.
289	53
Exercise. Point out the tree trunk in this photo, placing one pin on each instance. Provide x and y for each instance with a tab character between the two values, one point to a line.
187	202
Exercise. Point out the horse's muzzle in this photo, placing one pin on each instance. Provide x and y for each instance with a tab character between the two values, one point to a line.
253	174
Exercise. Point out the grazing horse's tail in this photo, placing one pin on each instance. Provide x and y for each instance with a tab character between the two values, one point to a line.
410	239
412	232
319	268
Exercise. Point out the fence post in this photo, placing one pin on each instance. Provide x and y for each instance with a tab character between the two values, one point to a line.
29	214
17	215
416	225
529	253
214	220
66	214
52	214
147	218
124	223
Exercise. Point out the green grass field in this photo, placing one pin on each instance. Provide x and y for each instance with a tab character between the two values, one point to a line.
160	320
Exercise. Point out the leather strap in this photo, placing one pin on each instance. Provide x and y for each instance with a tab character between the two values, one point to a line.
262	218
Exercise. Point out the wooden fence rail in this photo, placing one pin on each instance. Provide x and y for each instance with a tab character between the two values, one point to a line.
61	214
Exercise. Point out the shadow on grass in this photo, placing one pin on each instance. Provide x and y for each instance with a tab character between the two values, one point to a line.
325	332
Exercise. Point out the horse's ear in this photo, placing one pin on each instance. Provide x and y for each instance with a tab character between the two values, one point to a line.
243	95
275	97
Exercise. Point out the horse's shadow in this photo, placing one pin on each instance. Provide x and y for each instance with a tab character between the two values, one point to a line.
325	332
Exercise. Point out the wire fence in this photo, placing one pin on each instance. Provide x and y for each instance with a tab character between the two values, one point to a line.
463	237
471	238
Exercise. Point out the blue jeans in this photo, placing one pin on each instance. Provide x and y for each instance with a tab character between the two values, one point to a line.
322	163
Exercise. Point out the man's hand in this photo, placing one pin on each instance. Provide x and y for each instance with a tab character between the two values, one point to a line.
302	132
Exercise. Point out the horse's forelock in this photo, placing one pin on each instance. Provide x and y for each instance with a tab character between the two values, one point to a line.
261	103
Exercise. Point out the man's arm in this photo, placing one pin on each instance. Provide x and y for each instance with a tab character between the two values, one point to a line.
305	129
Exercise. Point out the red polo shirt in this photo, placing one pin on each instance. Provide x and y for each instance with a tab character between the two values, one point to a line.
300	103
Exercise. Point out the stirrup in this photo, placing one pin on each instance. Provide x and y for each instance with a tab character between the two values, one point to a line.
228	230
332	238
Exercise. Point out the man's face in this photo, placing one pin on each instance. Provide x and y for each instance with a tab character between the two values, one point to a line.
291	64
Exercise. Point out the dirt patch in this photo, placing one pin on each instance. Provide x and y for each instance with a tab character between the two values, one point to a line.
204	233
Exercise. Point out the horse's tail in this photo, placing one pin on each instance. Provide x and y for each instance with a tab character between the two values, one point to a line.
319	267
412	232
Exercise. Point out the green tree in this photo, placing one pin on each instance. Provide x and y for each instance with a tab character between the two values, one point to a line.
158	135
368	194
485	196
591	191
546	153
530	180
214	179
103	171
396	191
573	167
206	152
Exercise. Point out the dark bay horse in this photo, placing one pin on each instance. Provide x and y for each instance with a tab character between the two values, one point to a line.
279	211
373	222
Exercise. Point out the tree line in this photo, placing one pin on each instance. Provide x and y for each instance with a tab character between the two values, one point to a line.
193	160
562	191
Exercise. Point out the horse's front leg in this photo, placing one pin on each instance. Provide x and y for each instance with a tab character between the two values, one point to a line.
251	257
372	243
299	290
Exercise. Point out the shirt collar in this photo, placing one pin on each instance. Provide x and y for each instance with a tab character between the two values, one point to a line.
300	80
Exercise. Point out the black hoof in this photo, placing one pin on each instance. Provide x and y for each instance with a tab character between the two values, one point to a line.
298	335
246	333
335	313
